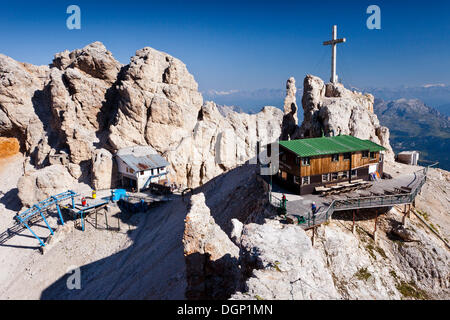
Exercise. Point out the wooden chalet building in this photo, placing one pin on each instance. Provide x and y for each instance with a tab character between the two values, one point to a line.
308	163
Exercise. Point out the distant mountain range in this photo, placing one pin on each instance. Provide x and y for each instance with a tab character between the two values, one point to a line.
435	95
418	117
248	101
416	126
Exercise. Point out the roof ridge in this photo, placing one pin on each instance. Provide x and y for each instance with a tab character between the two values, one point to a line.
342	144
312	147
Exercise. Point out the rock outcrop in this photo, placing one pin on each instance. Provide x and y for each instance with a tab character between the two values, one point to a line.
86	100
290	118
220	143
160	106
40	184
80	88
330	109
284	263
158	102
22	105
102	169
211	258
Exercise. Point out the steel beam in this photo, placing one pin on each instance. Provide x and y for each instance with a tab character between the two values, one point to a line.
34	234
59	210
45	220
59	213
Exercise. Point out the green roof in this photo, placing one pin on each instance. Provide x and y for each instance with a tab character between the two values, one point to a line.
329	145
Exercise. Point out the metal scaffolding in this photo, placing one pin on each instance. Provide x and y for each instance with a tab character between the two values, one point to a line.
39	208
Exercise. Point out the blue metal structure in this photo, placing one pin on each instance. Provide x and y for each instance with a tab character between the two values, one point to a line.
149	180
39	208
116	195
81	212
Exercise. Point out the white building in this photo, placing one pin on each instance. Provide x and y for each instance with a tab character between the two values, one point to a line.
139	166
408	157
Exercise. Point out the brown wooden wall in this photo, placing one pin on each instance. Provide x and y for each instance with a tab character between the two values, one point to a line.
323	164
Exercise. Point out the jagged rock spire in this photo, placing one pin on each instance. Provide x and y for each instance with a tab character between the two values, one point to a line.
290	119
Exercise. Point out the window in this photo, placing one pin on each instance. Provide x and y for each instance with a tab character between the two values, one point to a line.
347	156
354	173
305	180
335	158
306	161
365	154
296	180
343	175
373	155
283	175
334	176
325	177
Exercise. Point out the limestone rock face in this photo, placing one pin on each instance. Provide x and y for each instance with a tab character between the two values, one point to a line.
93	60
219	144
285	264
86	100
290	118
159	105
332	110
40	184
404	233
62	106
79	86
21	99
102	168
158	102
291	91
355	275
211	258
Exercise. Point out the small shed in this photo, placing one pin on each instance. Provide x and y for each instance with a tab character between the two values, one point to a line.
408	157
140	166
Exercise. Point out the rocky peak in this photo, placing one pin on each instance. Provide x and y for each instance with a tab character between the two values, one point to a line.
331	109
22	104
211	257
94	59
87	104
290	118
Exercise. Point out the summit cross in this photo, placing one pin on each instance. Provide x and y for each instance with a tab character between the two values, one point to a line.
333	44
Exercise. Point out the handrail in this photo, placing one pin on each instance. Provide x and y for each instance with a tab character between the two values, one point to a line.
36	208
385	200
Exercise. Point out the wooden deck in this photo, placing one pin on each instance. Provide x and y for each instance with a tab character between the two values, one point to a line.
384	193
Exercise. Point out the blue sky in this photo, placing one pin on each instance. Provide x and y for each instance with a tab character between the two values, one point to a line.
246	45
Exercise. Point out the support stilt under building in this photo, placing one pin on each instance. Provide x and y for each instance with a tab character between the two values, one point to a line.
375	233
354	225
